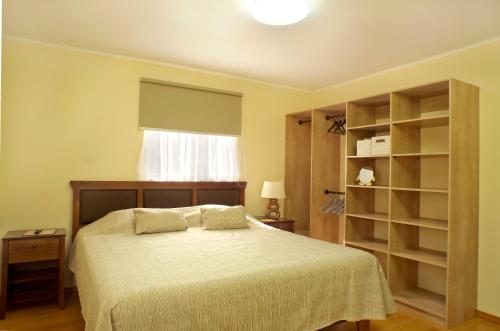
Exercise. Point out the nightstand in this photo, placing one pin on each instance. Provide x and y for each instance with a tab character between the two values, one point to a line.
32	269
285	224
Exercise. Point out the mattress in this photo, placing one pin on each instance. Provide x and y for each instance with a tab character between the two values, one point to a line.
258	278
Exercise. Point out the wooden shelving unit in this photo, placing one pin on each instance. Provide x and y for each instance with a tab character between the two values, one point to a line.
420	218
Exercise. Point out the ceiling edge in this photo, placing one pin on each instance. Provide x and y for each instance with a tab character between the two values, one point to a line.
232	76
160	63
410	64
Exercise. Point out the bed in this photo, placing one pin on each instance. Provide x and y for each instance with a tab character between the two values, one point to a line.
258	278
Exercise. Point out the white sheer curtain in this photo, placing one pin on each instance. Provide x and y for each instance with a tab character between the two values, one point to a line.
177	156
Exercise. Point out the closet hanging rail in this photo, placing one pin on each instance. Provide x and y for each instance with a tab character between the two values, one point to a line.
304	121
333	192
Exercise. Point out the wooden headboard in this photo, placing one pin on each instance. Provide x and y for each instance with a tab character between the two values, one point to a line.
94	199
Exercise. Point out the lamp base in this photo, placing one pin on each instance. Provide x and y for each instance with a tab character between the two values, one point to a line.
273	209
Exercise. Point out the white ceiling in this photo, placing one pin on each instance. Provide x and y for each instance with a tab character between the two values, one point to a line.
339	41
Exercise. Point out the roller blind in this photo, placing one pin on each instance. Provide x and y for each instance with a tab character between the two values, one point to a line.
178	107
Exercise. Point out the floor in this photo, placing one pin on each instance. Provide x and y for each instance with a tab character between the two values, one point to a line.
48	317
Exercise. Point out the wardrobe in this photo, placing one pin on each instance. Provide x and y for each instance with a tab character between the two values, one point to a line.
314	162
420	216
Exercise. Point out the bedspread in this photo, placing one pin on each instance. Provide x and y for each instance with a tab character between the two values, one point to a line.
247	279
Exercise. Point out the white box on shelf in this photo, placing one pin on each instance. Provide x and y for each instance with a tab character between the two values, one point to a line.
381	145
364	147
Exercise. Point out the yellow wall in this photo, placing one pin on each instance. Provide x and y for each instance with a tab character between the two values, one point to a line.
481	67
73	115
70	115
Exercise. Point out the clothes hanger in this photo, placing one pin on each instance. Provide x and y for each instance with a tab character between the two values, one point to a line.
335	204
327	204
338	206
338	125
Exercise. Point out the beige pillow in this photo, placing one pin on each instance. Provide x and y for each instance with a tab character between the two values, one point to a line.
158	221
193	219
223	218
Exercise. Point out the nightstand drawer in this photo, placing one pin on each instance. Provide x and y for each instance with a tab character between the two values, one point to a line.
31	250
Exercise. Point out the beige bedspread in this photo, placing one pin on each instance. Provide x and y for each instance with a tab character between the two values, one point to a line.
248	279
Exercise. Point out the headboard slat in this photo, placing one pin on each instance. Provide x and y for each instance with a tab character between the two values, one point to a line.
94	199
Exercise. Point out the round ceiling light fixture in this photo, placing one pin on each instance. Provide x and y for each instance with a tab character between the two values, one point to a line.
279	12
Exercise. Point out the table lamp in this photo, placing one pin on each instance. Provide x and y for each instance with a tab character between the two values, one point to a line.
273	191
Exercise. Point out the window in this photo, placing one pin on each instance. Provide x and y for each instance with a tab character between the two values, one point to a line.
176	156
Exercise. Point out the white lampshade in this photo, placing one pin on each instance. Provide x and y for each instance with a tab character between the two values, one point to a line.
273	190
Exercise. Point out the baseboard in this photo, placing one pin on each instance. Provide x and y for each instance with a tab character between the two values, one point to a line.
488	317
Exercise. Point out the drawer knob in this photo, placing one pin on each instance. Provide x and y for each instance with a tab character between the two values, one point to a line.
34	245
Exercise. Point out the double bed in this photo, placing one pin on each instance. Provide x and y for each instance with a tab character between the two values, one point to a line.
258	278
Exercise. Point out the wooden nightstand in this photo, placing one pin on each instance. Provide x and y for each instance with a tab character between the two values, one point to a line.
32	269
285	224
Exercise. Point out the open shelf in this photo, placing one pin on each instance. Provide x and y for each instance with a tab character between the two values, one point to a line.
421	189
423	222
422	155
418	285
425	122
34	276
362	201
415	172
413	140
378	245
383	217
419	207
353	136
368	156
380	167
424	245
385	187
379	127
367	233
423	300
21	293
421	102
369	111
424	255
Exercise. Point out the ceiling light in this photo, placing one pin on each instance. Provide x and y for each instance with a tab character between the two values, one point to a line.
279	12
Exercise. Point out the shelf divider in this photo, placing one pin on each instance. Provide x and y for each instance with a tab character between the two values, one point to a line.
423	222
424	255
371	186
425	122
375	244
384	217
420	189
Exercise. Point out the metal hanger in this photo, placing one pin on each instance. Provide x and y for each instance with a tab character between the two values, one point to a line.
335	203
338	126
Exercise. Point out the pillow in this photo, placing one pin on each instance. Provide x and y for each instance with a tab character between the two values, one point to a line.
223	218
193	219
147	221
118	221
